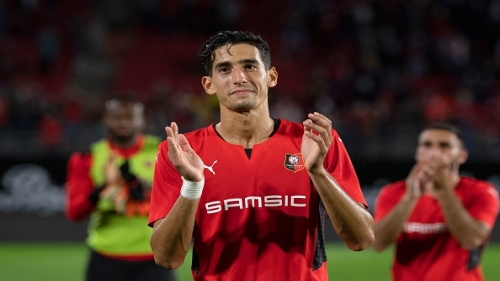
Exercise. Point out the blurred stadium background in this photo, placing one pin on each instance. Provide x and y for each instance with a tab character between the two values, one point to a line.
380	69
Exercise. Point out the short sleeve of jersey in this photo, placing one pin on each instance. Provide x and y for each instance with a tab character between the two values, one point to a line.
339	165
387	198
483	203
166	185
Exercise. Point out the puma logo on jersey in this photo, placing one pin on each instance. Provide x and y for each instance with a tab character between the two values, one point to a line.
210	168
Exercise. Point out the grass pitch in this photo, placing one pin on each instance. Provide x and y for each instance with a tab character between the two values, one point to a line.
66	262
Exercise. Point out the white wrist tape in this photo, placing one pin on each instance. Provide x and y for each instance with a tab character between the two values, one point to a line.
191	189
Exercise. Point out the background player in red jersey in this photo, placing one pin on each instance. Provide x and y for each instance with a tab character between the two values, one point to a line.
253	215
111	183
439	220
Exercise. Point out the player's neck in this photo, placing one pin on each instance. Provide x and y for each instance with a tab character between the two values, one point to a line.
245	129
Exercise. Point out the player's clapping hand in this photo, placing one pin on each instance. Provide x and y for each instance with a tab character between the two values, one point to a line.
432	171
419	180
183	157
316	140
442	178
111	170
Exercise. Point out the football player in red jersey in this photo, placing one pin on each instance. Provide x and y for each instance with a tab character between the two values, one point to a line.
439	220
231	188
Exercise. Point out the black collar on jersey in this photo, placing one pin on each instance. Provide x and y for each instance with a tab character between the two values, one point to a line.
248	151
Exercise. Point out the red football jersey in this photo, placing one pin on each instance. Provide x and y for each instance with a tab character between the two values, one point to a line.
426	250
259	217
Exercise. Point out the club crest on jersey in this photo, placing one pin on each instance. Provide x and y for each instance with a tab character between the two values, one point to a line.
294	162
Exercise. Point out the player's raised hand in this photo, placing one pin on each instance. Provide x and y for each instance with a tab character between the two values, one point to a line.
419	180
183	157
111	171
316	140
443	178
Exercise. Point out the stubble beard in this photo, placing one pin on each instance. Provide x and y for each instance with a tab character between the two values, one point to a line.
244	106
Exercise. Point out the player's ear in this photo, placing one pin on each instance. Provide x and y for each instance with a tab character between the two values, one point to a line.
272	77
206	81
462	157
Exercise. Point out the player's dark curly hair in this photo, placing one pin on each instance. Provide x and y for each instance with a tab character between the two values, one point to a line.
447	126
229	38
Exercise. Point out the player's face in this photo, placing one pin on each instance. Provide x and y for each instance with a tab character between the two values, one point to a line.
240	79
124	120
442	144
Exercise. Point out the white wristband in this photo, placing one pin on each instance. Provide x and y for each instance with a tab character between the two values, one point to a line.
191	189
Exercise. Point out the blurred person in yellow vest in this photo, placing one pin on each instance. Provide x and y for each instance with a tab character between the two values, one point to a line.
111	183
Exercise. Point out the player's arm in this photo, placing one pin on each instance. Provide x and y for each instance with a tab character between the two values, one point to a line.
78	186
172	235
388	228
350	219
469	232
391	225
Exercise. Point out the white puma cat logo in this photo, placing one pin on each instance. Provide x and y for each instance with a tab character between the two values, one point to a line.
210	168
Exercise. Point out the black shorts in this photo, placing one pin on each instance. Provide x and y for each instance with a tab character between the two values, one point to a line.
102	268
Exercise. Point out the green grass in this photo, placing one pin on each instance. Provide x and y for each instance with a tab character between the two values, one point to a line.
65	262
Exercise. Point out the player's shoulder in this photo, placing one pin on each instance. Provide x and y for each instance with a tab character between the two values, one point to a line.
80	156
288	127
392	191
474	184
151	143
99	142
201	132
202	136
472	188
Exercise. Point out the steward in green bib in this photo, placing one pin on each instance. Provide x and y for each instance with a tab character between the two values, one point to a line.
110	183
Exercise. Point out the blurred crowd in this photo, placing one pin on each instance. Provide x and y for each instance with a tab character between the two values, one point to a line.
380	69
